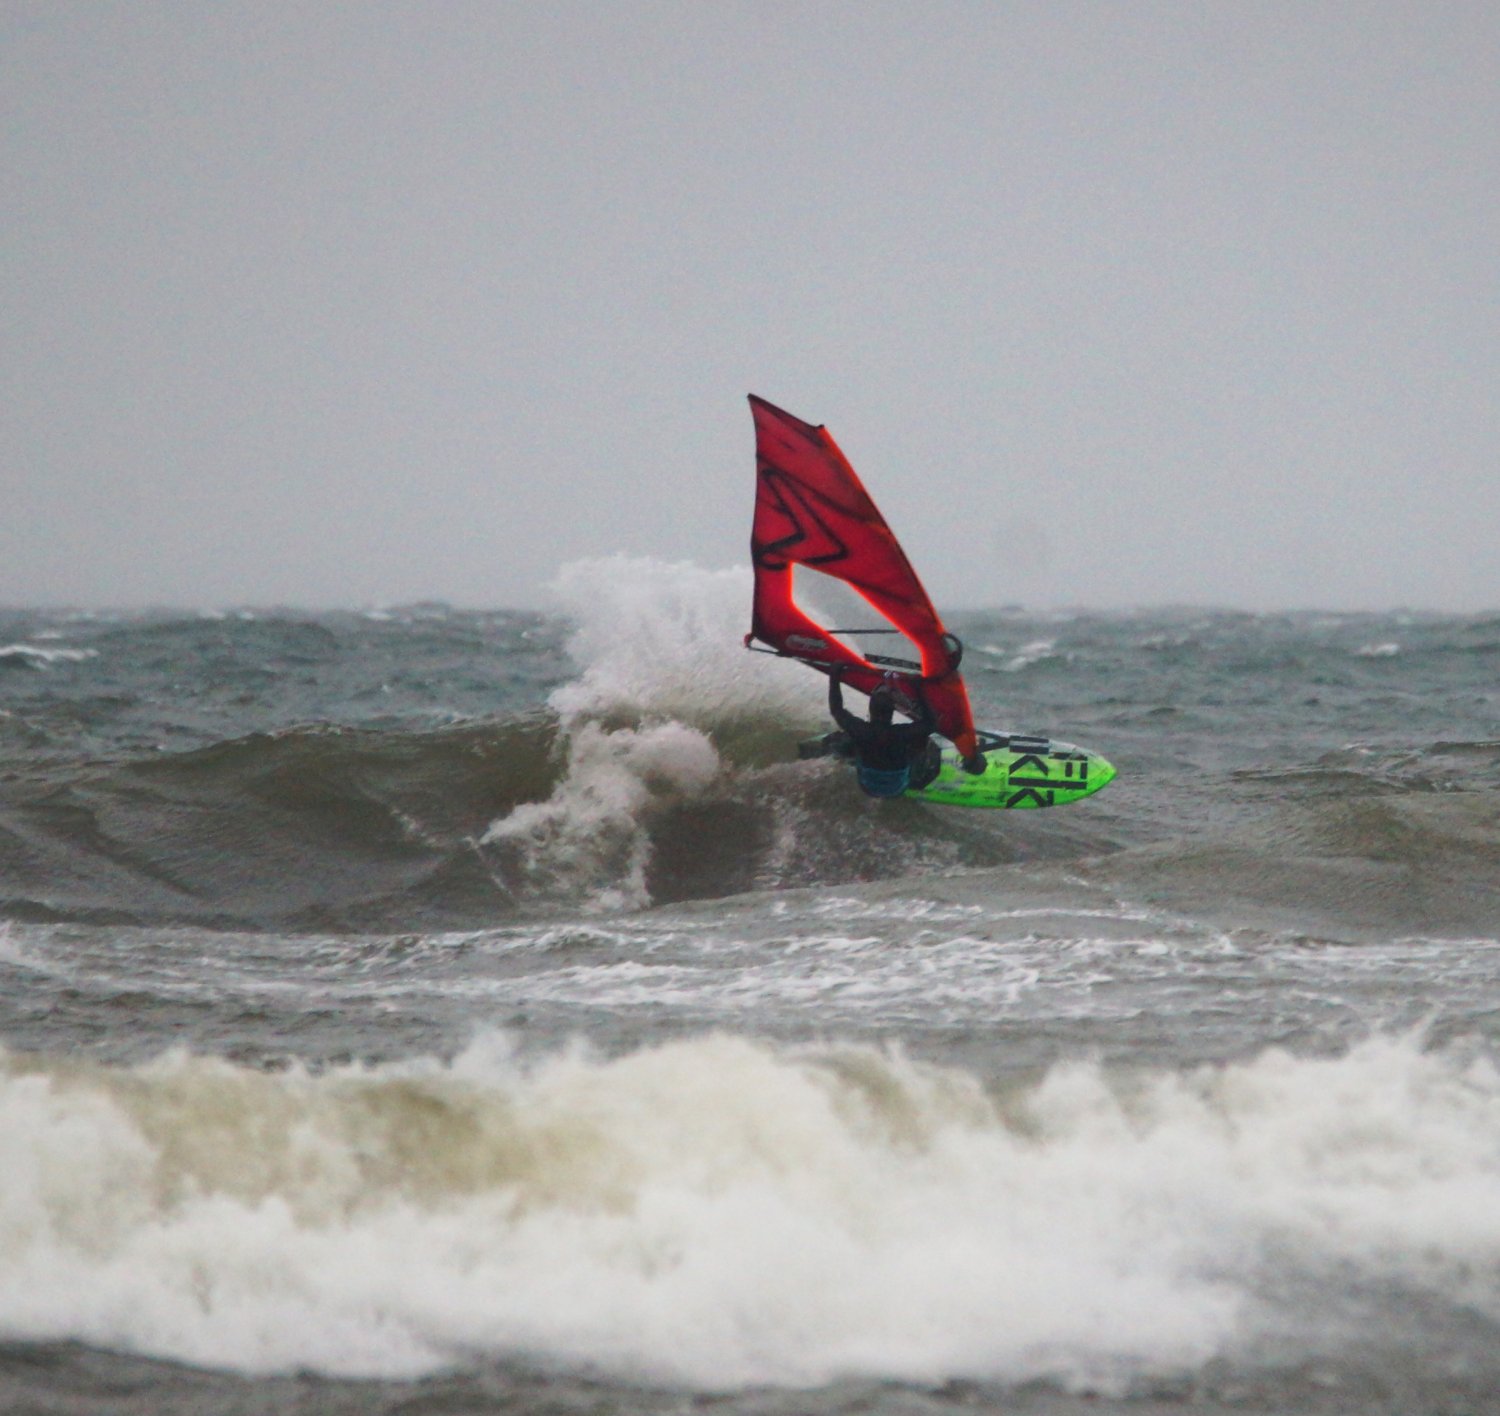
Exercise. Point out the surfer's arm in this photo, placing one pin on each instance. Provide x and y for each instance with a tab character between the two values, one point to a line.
841	715
923	719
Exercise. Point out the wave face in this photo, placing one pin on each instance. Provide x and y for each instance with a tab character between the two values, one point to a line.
427	768
432	769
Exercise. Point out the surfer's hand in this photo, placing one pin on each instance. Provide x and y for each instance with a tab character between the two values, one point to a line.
975	765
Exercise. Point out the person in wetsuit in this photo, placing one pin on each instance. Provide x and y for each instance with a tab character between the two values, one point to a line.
887	754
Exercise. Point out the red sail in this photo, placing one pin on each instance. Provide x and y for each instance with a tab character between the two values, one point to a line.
812	510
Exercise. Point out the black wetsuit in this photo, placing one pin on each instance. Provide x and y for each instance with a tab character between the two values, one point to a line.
882	749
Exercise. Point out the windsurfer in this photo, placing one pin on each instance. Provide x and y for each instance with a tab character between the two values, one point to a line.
889	757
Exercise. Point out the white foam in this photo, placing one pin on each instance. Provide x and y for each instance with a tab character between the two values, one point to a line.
1035	652
847	977
720	1212
662	666
44	658
588	842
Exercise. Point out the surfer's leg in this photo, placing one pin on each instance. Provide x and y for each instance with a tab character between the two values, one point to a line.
926	766
834	744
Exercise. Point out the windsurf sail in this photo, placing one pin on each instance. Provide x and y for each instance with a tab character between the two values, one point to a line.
811	510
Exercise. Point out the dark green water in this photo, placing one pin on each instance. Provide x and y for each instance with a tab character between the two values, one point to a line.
440	1011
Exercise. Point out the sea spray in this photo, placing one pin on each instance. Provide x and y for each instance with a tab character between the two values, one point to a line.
664	687
654	639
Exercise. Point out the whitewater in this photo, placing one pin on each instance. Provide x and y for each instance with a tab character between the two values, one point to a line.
428	1010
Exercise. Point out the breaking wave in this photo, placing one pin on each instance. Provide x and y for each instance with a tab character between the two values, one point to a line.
656	763
720	1212
663	770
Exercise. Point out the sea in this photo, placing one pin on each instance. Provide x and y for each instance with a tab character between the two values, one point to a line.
432	1011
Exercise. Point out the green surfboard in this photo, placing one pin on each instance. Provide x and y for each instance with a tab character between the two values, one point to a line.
1021	772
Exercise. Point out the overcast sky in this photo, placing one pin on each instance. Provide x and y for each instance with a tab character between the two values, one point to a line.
1110	303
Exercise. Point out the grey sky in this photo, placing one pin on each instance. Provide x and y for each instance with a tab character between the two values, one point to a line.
1110	304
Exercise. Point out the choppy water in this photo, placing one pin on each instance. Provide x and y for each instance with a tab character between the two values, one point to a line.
432	1011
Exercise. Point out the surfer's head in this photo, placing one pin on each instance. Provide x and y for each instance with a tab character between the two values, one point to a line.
882	707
